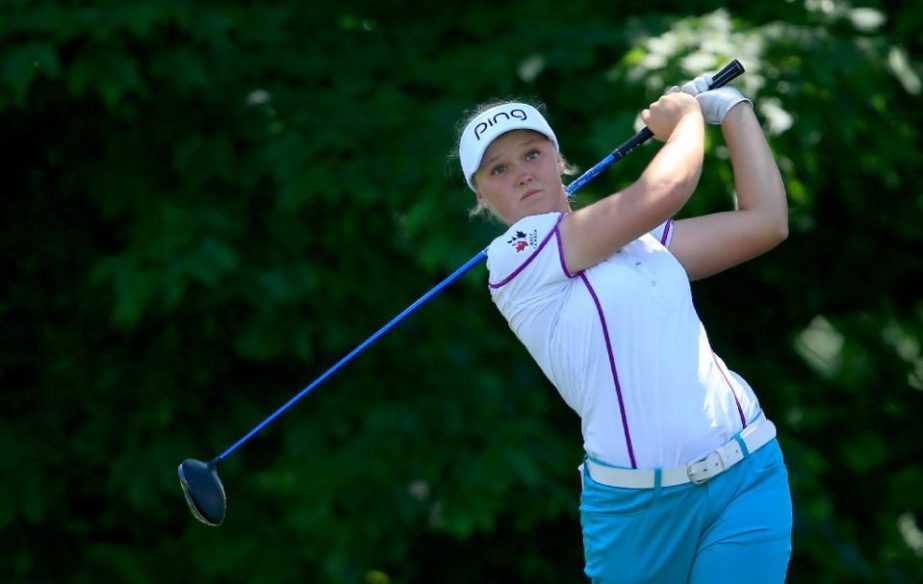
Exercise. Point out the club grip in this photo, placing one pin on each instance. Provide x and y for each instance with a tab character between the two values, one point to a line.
728	73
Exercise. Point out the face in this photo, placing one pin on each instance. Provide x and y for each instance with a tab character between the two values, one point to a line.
520	175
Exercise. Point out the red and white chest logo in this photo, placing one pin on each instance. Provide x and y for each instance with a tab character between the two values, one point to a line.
522	241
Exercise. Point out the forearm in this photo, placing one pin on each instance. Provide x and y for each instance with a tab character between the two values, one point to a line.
756	175
676	168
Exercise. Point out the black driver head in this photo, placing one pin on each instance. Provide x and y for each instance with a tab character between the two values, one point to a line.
203	490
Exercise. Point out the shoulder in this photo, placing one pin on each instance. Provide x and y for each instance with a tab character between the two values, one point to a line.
526	234
520	244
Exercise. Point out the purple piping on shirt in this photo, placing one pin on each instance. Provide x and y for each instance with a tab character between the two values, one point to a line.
602	320
740	410
666	232
743	420
615	373
528	261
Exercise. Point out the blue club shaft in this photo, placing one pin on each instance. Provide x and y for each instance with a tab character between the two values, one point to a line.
728	73
352	354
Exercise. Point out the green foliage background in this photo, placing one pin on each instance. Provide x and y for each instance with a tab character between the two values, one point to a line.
205	205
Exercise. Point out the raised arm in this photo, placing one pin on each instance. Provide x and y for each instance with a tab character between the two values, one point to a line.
595	232
712	243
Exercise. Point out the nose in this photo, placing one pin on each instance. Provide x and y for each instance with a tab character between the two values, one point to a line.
523	176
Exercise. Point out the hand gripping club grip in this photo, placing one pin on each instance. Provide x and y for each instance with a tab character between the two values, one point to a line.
728	73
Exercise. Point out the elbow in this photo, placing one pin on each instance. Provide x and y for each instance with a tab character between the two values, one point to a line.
779	234
780	228
766	236
773	227
776	230
773	218
782	231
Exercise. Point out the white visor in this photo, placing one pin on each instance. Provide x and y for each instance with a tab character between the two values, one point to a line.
490	125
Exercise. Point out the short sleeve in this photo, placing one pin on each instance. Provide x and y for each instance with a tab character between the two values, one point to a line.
526	268
664	233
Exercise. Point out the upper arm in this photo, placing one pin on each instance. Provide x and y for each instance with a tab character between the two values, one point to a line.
712	243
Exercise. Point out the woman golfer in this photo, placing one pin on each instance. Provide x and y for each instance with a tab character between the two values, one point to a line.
683	480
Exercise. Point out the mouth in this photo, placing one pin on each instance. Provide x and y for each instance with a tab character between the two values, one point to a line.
529	194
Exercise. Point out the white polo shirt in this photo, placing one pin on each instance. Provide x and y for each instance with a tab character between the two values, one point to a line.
622	343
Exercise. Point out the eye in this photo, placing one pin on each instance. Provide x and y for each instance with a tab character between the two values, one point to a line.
533	154
498	170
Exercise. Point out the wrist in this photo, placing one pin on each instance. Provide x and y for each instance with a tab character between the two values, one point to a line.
738	112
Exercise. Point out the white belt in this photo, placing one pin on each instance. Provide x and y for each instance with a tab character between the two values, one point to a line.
742	445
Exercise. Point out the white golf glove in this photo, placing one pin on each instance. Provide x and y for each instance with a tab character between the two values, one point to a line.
715	103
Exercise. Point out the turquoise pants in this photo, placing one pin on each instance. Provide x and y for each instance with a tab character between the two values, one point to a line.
734	528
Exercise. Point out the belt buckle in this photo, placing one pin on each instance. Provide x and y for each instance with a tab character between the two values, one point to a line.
711	466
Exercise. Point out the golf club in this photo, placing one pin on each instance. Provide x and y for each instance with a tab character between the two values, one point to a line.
201	486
